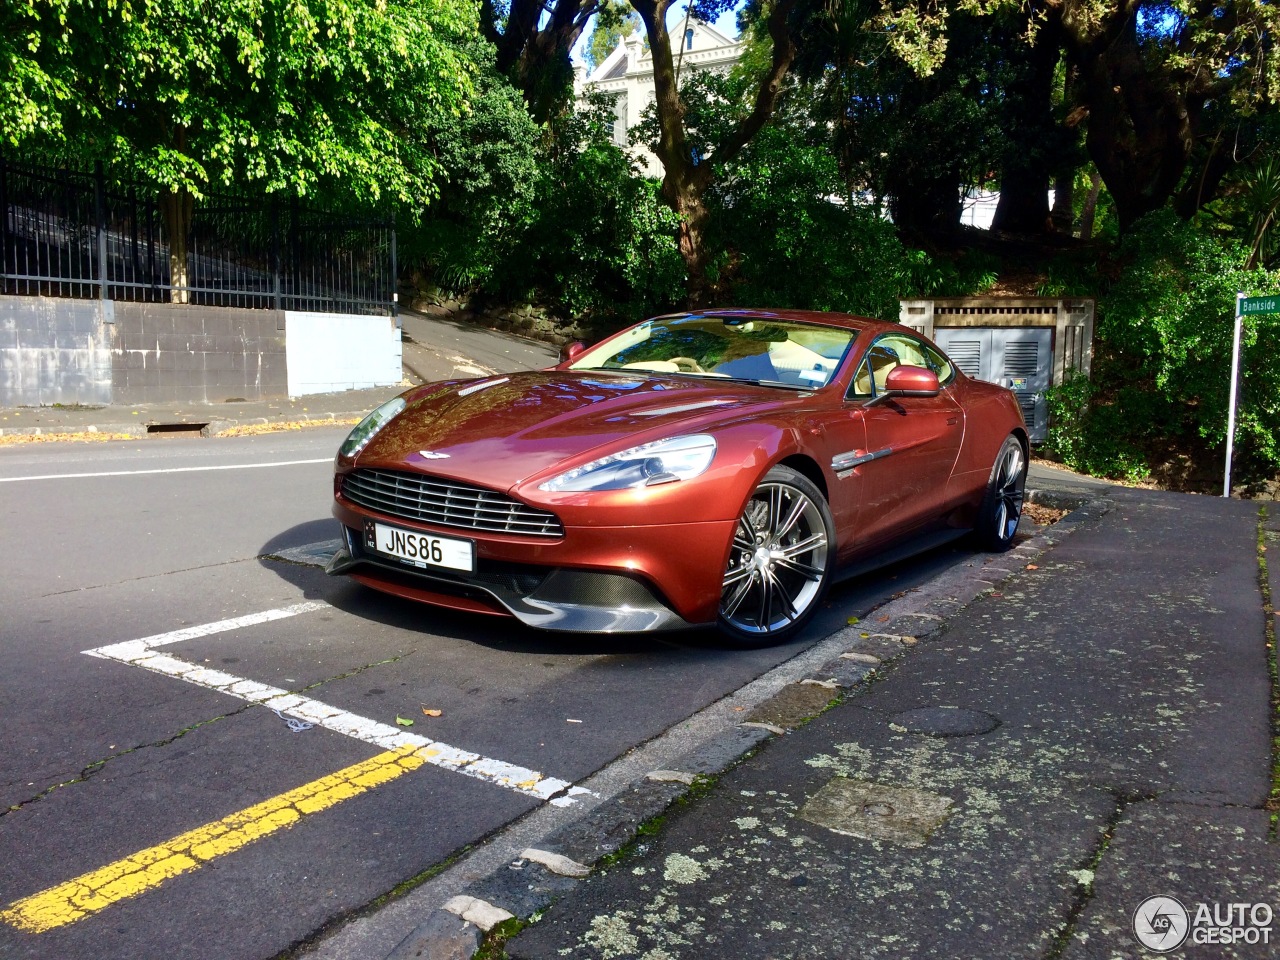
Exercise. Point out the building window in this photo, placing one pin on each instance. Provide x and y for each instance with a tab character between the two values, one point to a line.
688	39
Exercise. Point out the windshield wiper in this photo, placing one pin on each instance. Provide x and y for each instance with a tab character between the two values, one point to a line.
759	383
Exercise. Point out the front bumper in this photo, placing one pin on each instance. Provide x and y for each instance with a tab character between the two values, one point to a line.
592	580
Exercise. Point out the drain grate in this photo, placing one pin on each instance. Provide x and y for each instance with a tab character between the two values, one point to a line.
176	429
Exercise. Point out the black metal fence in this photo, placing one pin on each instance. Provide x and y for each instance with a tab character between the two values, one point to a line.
76	233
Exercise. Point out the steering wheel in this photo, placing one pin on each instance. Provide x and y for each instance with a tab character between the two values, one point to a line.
687	365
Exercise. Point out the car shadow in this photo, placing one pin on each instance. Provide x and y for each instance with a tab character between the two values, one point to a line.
853	597
498	632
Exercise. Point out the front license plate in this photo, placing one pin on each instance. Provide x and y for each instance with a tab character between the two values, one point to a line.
421	549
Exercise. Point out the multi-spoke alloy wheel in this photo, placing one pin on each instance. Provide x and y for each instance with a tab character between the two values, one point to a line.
780	561
1002	505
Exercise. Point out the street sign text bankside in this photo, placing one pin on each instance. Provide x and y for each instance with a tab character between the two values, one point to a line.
1250	306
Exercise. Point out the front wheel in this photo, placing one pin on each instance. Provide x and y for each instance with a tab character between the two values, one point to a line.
780	561
1002	504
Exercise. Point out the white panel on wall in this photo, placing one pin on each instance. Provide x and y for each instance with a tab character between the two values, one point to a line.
329	352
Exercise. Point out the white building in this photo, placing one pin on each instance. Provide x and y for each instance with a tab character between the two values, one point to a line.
627	74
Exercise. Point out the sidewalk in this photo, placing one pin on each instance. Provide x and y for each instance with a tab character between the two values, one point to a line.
1019	778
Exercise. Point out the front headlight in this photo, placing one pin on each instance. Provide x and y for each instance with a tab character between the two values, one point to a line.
663	461
365	430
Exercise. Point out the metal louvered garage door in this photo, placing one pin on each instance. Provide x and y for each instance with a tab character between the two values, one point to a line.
1020	358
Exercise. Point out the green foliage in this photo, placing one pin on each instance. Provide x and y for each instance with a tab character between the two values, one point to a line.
786	239
553	216
601	245
491	165
1102	432
295	95
784	229
614	20
1163	355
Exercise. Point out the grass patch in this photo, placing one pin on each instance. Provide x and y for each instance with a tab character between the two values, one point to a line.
494	945
701	786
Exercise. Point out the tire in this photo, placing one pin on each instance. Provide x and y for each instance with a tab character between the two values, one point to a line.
780	561
1002	503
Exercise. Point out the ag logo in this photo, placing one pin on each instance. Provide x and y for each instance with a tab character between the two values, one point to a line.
1161	924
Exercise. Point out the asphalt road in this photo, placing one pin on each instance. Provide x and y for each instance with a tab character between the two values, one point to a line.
202	820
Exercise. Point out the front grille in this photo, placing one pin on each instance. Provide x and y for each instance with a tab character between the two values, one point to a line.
448	503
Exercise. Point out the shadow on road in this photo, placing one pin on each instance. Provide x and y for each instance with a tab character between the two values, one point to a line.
853	598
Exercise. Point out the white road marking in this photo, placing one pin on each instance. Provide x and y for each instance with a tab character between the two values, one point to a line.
138	473
143	653
470	367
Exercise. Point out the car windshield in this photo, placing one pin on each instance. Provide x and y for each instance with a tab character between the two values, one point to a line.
771	352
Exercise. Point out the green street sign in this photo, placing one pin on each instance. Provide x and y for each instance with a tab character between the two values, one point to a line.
1251	306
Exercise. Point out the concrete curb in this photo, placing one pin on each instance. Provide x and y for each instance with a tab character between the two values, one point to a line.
526	886
214	427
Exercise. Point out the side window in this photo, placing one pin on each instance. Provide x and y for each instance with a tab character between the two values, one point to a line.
880	358
936	361
888	352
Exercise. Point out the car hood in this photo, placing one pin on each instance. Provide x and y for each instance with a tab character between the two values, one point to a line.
500	431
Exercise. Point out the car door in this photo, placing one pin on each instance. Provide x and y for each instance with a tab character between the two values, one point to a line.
911	443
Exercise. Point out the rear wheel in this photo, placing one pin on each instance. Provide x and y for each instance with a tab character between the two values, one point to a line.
780	561
1002	505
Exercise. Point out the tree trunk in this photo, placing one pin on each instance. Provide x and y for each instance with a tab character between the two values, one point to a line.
533	47
1141	126
686	177
1032	138
176	207
1090	206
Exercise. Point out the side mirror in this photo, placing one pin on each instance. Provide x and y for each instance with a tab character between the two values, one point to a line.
573	351
905	380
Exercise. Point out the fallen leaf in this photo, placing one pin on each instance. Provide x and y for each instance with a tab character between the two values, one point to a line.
738	709
852	620
882	619
403	722
431	713
1032	566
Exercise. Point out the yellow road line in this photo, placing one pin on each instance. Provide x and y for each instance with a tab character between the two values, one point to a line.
87	894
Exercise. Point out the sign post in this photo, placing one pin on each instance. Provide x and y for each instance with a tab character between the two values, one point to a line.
1245	307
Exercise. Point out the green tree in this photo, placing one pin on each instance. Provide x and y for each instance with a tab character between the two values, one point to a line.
492	158
1152	80
292	95
688	171
1161	376
533	40
614	21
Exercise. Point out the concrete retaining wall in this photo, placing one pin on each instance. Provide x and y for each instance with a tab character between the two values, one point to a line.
55	350
165	352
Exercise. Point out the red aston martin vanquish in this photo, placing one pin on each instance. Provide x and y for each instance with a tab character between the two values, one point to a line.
717	467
